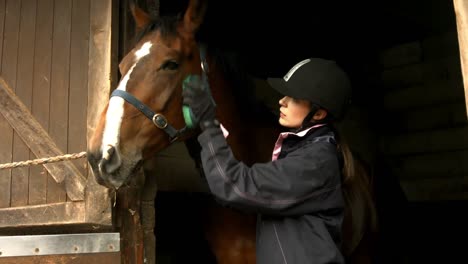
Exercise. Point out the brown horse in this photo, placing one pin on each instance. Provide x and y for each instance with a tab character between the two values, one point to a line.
144	116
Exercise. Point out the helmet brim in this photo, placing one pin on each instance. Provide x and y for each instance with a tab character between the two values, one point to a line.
281	86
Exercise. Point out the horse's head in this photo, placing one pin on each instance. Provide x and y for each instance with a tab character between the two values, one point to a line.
144	113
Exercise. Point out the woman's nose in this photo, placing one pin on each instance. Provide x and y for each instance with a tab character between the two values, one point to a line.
282	101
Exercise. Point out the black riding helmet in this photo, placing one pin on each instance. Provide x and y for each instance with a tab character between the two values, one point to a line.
319	81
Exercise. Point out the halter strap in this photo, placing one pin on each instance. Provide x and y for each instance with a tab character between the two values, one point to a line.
158	120
203	61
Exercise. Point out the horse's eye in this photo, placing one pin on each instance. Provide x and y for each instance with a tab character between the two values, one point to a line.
170	65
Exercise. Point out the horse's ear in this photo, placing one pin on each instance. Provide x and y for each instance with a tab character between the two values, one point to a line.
141	17
193	17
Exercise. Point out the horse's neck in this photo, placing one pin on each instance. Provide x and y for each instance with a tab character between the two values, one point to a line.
227	114
249	142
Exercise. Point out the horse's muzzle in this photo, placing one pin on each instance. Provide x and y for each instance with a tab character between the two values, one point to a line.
104	166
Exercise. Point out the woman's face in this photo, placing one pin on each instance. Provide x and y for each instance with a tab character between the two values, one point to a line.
293	111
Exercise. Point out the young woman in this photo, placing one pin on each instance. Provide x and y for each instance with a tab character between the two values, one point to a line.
298	194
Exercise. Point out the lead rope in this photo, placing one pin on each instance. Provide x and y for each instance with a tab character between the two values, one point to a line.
42	160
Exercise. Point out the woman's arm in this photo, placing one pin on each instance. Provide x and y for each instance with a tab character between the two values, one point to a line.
305	181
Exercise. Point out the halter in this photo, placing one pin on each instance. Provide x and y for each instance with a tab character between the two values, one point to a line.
158	119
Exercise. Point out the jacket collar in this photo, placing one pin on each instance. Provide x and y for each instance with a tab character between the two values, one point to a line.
284	135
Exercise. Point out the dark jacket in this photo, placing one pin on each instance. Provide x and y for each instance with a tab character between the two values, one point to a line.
298	196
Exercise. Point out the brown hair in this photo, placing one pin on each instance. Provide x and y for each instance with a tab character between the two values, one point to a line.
359	199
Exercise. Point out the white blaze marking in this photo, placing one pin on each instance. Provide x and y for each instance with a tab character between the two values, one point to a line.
115	111
143	51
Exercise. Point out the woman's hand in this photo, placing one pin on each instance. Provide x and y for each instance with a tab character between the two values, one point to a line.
197	97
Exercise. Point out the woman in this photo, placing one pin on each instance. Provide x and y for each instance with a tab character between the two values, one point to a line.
298	194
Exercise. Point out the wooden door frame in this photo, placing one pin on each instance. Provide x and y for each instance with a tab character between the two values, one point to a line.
461	13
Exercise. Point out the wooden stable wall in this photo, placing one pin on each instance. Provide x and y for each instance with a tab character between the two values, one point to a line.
425	132
57	56
44	47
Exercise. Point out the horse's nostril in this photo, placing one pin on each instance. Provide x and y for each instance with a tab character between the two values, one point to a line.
110	161
93	159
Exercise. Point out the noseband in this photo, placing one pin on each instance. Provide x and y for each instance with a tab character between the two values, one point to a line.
158	119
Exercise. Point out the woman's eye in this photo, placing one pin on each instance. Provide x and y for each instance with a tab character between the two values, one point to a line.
170	65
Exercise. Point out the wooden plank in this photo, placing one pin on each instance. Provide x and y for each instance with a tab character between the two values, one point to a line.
128	214
404	54
424	95
114	45
148	216
5	176
100	74
40	142
461	12
41	93
9	66
451	139
2	28
99	203
10	42
59	90
43	215
444	69
24	85
427	118
79	57
436	189
101	258
448	165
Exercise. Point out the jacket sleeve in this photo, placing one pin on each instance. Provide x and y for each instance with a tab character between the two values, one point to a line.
305	181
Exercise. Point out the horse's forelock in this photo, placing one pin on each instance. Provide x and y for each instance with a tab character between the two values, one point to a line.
167	26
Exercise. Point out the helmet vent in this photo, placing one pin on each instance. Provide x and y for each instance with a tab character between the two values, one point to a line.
294	69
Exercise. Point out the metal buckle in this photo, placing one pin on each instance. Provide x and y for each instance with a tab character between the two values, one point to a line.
156	121
204	66
172	140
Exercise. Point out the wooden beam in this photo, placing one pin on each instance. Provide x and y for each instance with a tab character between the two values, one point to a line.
461	12
102	74
102	57
128	218
40	143
43	215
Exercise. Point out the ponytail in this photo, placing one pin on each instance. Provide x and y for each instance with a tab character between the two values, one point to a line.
359	200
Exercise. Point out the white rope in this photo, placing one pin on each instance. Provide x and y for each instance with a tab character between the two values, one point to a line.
42	161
